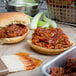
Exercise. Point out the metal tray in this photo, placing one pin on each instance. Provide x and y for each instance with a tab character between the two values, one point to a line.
59	61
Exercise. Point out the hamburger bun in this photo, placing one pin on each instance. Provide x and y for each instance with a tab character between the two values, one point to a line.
46	51
9	18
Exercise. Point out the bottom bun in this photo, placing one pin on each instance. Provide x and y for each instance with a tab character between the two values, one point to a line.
13	40
45	50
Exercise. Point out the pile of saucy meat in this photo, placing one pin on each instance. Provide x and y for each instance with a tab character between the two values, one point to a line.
13	30
51	38
68	70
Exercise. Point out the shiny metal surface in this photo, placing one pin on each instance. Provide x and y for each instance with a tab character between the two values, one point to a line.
58	61
42	7
28	8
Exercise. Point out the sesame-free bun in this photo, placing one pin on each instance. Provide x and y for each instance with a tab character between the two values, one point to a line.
9	18
45	50
13	18
13	40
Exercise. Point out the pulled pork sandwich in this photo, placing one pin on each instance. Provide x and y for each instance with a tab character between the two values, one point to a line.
49	41
13	27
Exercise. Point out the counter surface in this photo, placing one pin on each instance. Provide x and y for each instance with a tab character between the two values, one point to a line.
24	47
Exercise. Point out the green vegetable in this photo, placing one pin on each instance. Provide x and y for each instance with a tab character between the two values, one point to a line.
23	2
46	26
51	22
40	23
34	22
30	17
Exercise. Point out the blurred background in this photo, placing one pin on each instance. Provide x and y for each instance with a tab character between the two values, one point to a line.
63	11
30	7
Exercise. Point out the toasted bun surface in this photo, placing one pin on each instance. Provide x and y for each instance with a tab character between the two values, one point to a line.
13	18
13	40
45	50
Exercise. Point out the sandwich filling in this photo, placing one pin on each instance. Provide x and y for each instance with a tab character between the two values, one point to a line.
52	38
13	30
69	69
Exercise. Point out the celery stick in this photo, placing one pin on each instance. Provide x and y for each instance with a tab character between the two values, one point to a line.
40	23
46	26
52	23
34	22
30	17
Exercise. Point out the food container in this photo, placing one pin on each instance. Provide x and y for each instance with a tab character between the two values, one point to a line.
20	6
63	10
28	10
59	61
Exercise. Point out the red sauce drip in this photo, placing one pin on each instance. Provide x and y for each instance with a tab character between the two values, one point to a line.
30	63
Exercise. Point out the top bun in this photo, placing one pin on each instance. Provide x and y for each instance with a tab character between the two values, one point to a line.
13	18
